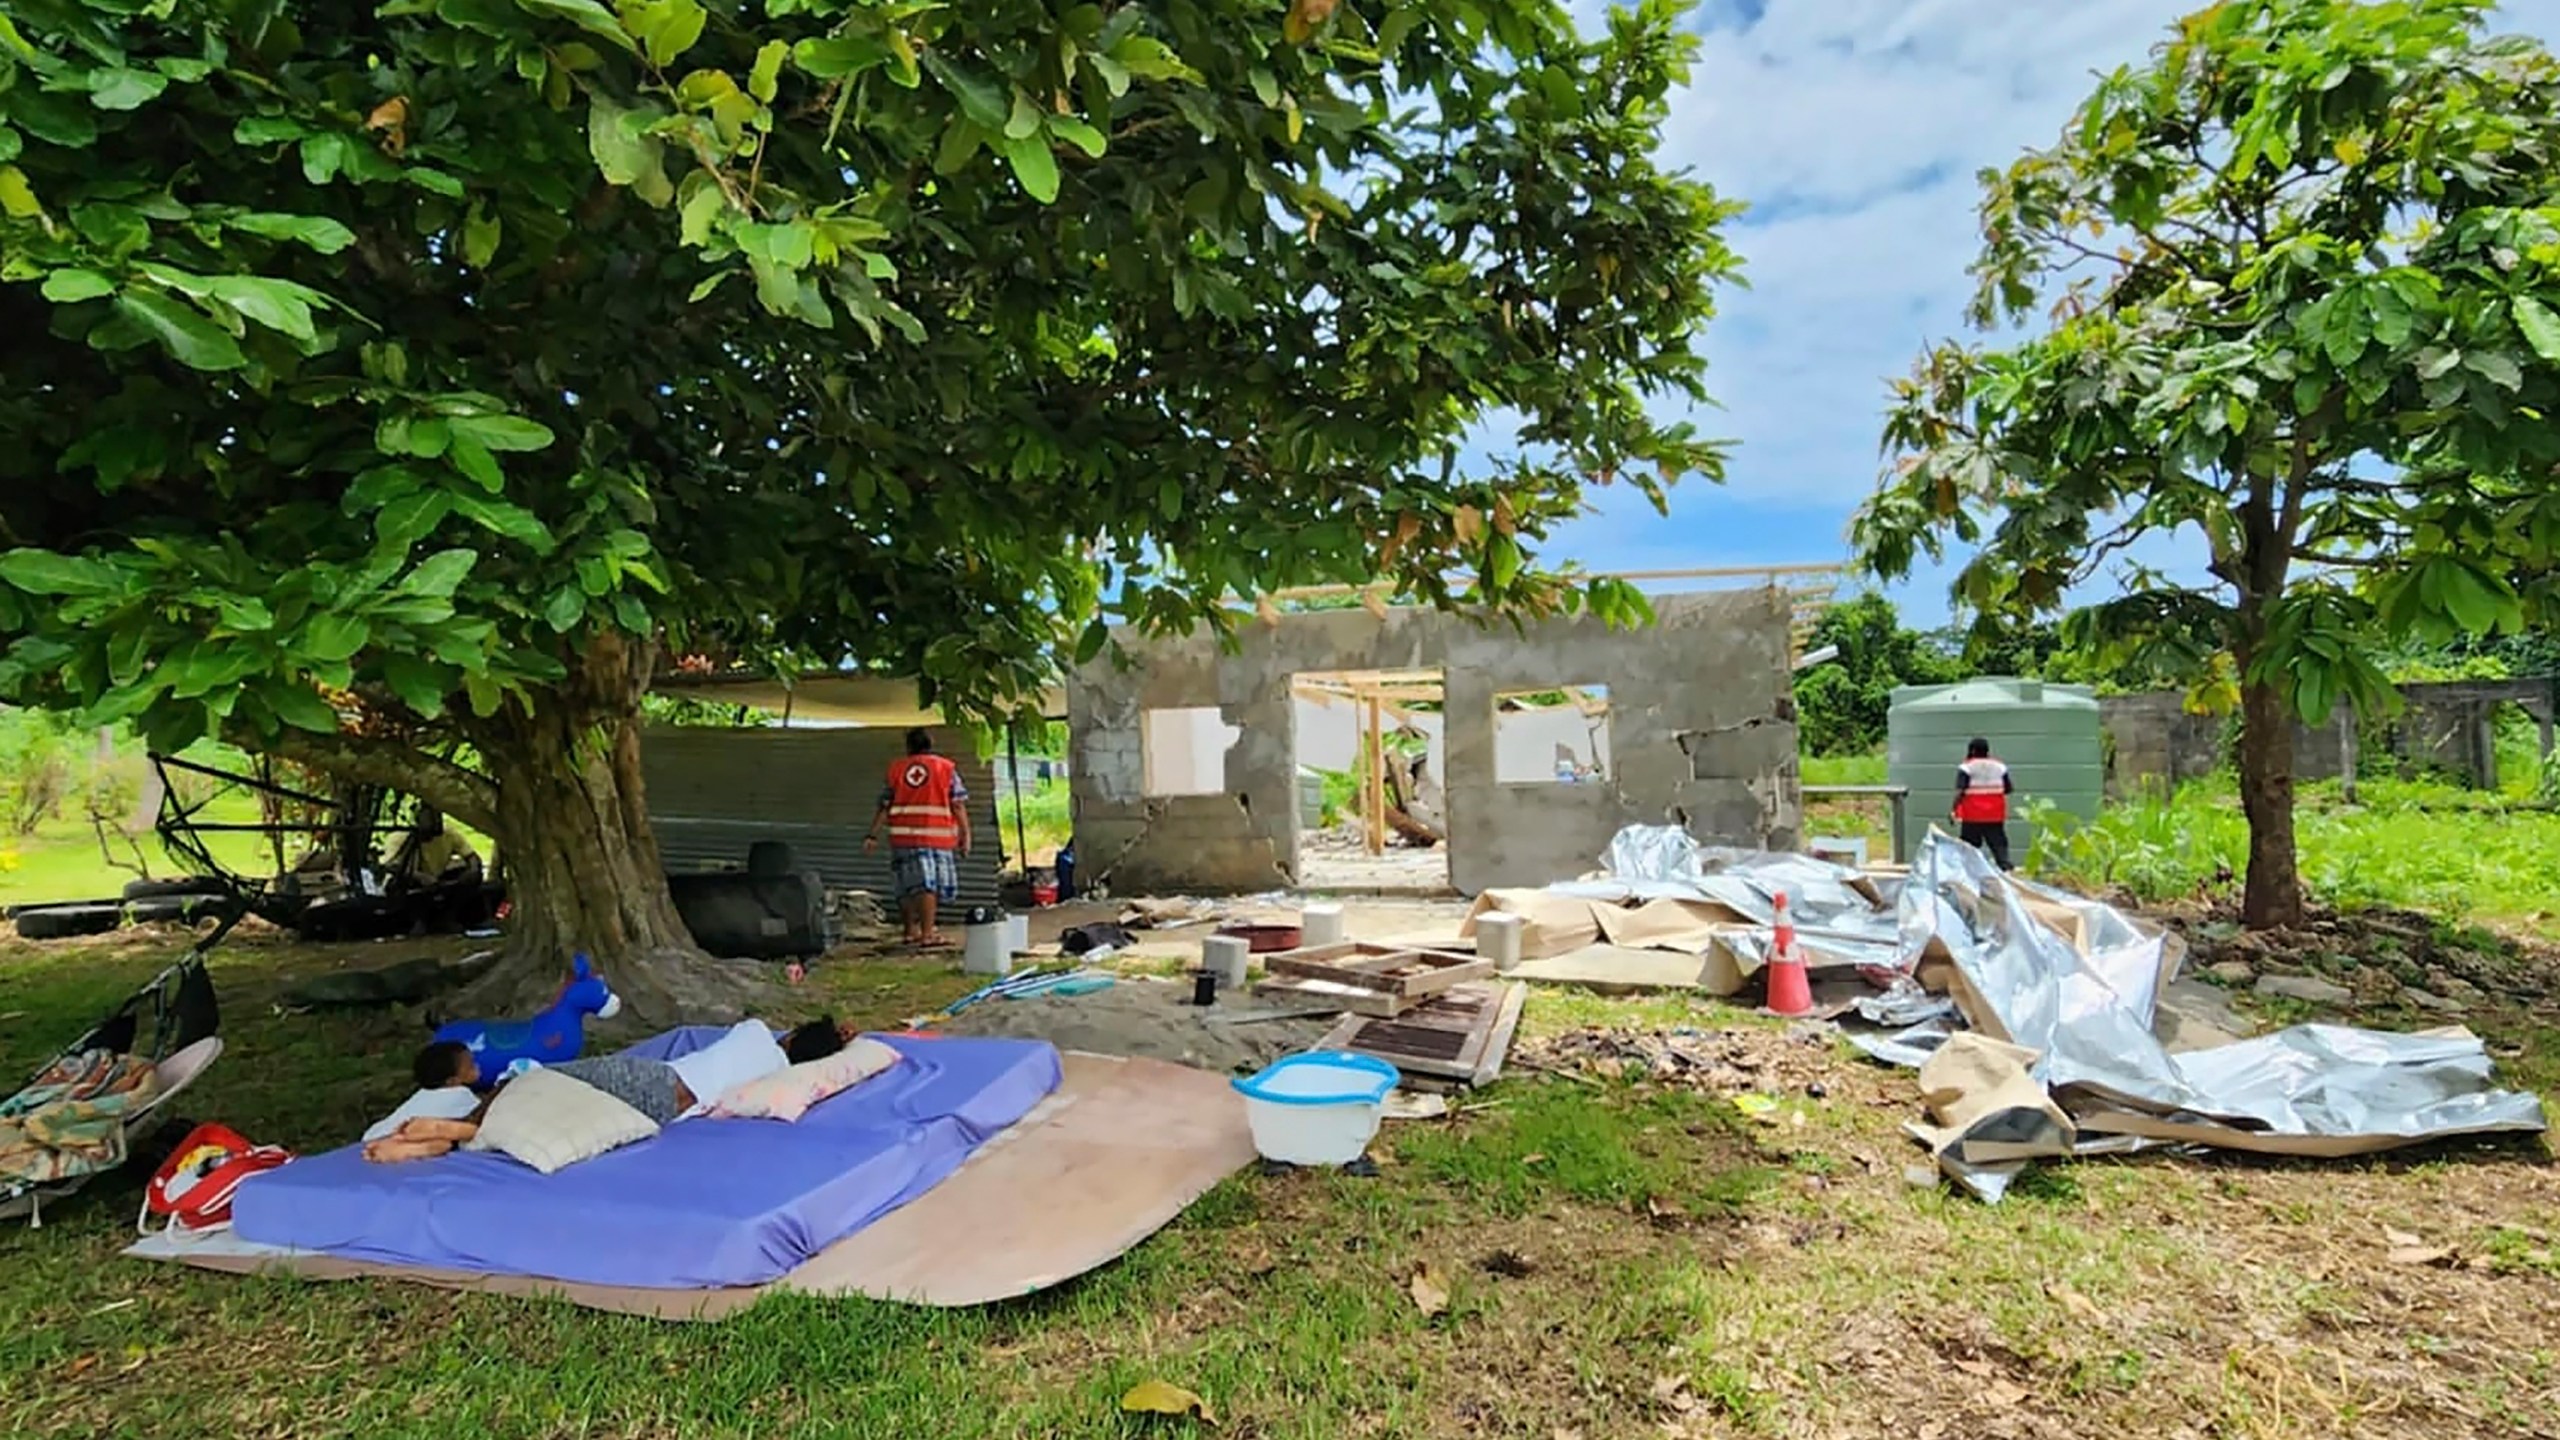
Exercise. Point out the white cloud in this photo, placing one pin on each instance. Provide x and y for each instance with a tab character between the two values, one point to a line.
1854	129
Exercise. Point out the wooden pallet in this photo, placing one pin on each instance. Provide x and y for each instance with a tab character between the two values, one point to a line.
1461	1035
1389	969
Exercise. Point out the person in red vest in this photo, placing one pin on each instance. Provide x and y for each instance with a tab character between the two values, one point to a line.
1983	788
926	809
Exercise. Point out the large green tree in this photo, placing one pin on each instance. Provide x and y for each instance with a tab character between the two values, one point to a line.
2303	277
391	386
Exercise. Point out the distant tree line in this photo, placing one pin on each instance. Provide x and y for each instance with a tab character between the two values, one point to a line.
1841	704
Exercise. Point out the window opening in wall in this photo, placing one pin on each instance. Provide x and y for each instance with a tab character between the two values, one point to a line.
1373	802
1557	736
1184	750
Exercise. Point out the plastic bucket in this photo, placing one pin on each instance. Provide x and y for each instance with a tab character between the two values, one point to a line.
1319	1108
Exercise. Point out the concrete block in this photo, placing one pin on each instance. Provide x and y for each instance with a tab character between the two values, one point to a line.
1320	925
1498	940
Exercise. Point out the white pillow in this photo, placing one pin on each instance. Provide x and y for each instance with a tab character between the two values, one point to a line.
450	1102
548	1120
788	1093
746	1053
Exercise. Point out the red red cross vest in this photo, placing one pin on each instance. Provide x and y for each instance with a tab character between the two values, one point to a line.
1985	797
920	803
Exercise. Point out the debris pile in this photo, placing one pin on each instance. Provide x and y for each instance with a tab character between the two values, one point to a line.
1719	1062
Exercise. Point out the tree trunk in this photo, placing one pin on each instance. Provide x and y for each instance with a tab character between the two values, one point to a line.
2272	898
582	865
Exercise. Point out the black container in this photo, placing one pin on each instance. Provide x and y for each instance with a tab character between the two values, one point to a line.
1204	987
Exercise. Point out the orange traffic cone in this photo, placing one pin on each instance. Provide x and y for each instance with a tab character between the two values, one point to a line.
1790	989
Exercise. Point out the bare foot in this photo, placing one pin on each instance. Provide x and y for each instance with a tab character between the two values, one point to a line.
450	1132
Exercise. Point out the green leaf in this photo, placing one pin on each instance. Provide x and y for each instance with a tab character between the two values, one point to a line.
312	232
117	88
474	460
2498	369
700	211
407	519
1023	121
268	129
2541	328
484	695
279	305
42	572
838	56
439	574
323	156
981	99
614	138
480	237
1502	562
503	432
587	15
960	142
1076	132
70	287
567	606
513	521
182	330
665	28
1115	76
1035	167
632	615
1169	498
419	683
331	639
766	77
11	145
17	197
301	708
1090	643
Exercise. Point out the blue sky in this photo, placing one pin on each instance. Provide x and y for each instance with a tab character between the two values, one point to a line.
1854	128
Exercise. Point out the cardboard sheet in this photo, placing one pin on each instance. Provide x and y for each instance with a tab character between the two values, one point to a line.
1614	968
1119	1151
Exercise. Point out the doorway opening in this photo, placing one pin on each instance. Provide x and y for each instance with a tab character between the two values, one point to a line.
1373	806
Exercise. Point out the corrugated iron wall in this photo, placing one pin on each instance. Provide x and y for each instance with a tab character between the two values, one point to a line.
712	793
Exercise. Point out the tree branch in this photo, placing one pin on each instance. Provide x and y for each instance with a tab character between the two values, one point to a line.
463	795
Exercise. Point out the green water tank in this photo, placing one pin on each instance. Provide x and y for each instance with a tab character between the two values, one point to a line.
2048	735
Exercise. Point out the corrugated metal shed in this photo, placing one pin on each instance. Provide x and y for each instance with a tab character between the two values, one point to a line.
712	793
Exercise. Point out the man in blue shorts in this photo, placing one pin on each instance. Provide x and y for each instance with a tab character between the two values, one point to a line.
926	810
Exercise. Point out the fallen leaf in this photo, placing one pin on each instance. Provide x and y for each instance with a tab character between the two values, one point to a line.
2401	1239
1661	1211
1978	1369
1672	1393
1430	1293
2004	1396
2439	1255
2080	1306
1535	1157
1565	1432
1155	1397
82	1366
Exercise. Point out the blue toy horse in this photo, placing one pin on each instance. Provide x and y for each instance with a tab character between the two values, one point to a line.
499	1048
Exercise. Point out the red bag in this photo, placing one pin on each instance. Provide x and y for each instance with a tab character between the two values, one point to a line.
192	1189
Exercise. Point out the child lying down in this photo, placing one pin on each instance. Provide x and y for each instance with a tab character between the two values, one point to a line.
663	1090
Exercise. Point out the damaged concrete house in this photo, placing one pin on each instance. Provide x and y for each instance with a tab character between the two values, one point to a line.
1185	760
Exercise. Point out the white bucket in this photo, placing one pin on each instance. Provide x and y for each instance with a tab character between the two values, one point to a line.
1017	933
983	950
1319	1108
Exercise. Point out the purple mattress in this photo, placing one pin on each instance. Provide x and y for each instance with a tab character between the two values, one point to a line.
706	1202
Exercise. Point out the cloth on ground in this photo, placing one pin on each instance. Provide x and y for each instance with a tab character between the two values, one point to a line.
707	1203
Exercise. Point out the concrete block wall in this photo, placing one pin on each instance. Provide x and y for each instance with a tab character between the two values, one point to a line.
2443	726
1702	731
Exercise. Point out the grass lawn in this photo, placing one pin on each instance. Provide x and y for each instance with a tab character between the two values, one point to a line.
1620	1260
62	861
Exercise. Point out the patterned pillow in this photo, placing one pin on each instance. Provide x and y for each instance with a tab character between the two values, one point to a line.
548	1120
787	1094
